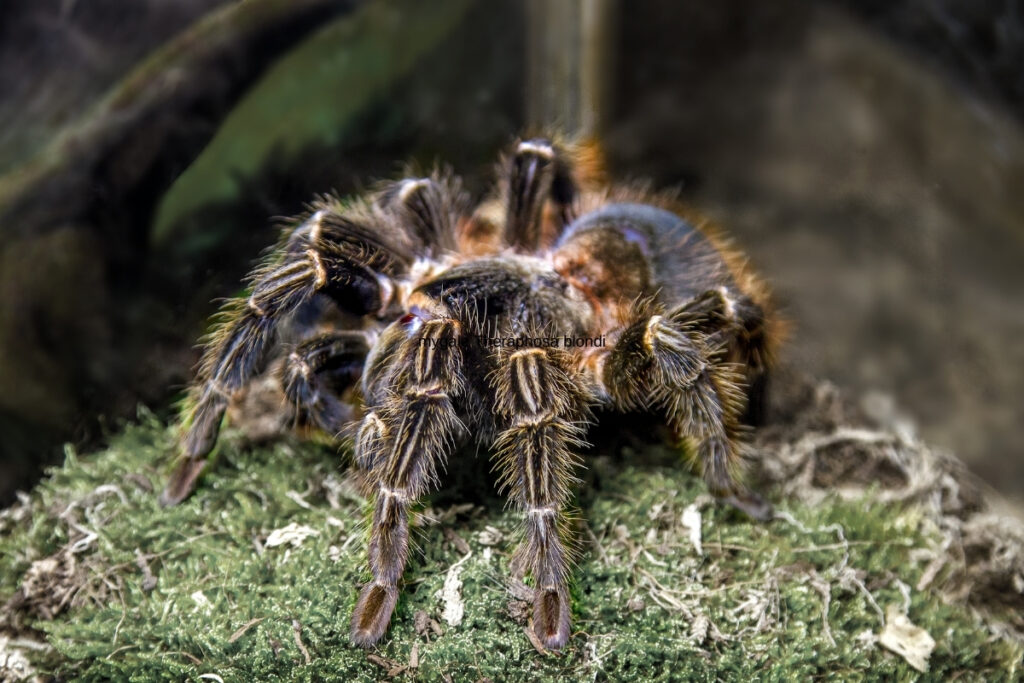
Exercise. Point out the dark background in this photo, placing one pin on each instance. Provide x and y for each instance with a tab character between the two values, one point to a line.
867	155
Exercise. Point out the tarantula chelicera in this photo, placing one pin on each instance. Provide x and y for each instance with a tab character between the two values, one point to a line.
508	323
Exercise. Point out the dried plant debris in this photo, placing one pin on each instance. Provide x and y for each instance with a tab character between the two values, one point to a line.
829	447
70	577
451	593
879	545
691	520
293	534
911	642
15	663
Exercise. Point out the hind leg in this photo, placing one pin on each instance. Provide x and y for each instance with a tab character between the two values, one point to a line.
319	370
676	361
736	321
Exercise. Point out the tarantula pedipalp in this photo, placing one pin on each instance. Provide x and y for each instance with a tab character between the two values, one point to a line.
509	323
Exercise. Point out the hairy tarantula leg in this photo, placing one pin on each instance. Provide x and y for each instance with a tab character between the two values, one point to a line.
663	360
428	208
722	313
543	403
537	172
248	326
317	369
415	432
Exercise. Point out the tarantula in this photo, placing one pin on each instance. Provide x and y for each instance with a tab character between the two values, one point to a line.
508	323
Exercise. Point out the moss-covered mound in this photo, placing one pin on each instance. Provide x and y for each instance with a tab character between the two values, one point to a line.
254	577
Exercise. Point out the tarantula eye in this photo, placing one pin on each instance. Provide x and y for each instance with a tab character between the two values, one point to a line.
412	320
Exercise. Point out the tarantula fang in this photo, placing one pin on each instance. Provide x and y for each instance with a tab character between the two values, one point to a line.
421	321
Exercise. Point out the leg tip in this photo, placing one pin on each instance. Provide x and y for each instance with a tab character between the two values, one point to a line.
182	482
752	504
538	147
372	614
551	618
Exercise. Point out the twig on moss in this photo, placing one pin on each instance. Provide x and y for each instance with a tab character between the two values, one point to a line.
148	579
297	632
825	589
243	628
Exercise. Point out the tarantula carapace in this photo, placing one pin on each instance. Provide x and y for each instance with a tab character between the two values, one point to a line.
508	324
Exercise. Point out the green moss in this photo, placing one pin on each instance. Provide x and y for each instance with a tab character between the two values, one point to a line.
647	606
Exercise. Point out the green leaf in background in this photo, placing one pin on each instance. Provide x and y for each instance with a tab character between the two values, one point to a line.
310	97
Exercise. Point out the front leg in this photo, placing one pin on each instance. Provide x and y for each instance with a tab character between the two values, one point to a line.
545	405
404	439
